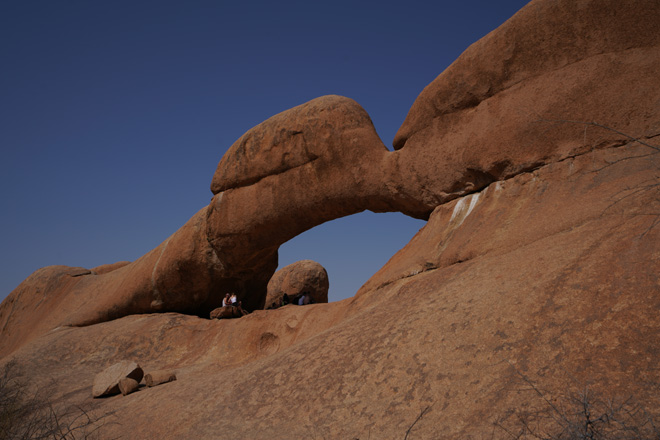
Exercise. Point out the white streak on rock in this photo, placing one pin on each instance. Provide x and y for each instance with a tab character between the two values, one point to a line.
457	209
462	209
158	301
473	202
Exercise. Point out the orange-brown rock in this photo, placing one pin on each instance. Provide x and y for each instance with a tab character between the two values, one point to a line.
158	377
538	41
231	245
182	274
536	272
105	268
32	302
516	99
107	382
296	278
225	312
327	146
547	275
128	385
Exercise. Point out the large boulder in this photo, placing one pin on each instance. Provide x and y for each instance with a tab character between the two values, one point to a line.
296	278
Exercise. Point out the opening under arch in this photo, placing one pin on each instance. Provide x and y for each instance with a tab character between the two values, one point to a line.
351	248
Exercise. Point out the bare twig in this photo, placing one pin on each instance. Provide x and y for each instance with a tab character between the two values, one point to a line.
27	416
582	416
419	417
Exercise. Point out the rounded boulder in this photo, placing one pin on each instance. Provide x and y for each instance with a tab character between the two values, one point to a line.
296	278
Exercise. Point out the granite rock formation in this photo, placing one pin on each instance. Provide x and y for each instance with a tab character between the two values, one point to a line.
535	159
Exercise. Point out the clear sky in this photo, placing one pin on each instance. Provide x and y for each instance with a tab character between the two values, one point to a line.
114	114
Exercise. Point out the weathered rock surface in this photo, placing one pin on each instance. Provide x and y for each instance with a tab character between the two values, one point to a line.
539	263
565	295
28	311
106	268
106	383
301	276
516	99
159	377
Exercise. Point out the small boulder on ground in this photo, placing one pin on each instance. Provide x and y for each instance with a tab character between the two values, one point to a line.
106	383
301	276
128	385
159	377
225	313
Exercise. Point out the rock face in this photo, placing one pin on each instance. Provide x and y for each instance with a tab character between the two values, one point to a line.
534	157
301	276
108	381
518	98
106	268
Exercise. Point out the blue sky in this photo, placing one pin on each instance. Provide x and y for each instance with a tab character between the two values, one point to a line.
115	114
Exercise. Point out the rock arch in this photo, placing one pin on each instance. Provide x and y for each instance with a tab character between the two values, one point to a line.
303	167
500	110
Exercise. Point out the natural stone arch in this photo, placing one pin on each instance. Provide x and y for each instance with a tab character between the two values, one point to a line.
308	165
485	118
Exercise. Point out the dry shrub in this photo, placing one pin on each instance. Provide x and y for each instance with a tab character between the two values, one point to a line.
26	414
